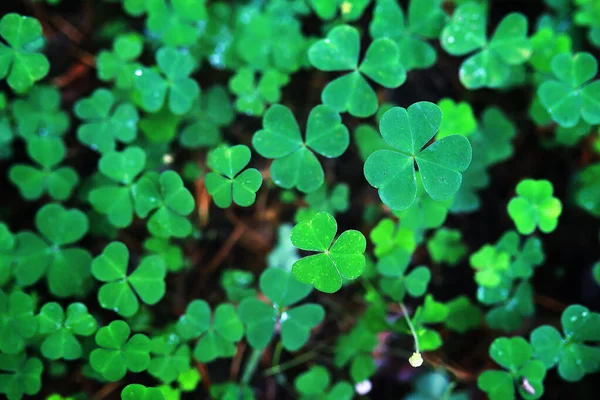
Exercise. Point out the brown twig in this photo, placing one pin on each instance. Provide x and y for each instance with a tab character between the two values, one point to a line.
550	303
206	383
106	390
236	363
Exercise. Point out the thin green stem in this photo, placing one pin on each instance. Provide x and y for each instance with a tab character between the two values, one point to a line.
277	353
251	365
410	326
301	359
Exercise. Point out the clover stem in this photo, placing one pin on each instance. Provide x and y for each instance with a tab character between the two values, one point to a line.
251	365
410	326
277	353
301	359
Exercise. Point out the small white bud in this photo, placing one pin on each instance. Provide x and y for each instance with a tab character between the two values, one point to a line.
416	360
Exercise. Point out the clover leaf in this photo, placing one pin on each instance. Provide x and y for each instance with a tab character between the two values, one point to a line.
315	384
440	164
115	199
459	119
337	200
350	10
17	323
462	315
66	268
7	247
355	348
351	93
171	200
446	246
118	352
513	354
571	351
135	391
509	315
227	184
395	282
119	64
546	43
490	264
295	323
39	113
33	182
106	122
175	67
20	375
425	21
60	330
169	357
237	284
215	339
535	207
368	141
295	163
431	312
491	66
175	22
344	259
172	253
253	96
572	94
587	194
120	289
21	63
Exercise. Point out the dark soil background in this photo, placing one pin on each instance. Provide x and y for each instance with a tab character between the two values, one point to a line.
240	238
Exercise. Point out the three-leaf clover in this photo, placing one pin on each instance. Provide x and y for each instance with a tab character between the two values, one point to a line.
227	184
17	322
459	119
462	315
571	351
387	236
440	164
215	339
513	354
175	66
321	200
120	289
490	263
105	121
509	315
66	268
253	96
425	21
446	246
60	330
119	64
20	375
351	93
169	358
116	200
135	391
535	207
118	352
20	60
39	113
175	22
33	182
295	163
344	259
315	384
571	95
395	282
491	66
295	323
171	200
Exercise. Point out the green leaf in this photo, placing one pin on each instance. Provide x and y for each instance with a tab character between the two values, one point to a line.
462	315
440	164
325	270
252	96
136	391
282	288
39	113
175	23
119	353
119	64
259	319
490	264
20	375
169	358
295	163
17	323
535	207
446	246
459	119
20	61
351	93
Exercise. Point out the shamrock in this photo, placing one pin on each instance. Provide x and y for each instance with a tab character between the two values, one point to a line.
118	292
39	113
344	259
252	97
587	195
237	284
534	207
395	282
295	164
440	164
216	339
174	22
171	253
207	117
171	200
33	182
118	352
135	391
509	315
571	352
105	121
462	315
175	67
495	135
119	64
425	21
387	236
295	323
227	184
169	358
513	354
490	264
445	246
7	246
491	66
20	375
571	95
20	60
351	92
60	330
350	10
355	349
459	119
545	44
431	312
115	200
66	268
17	323
337	200
315	384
